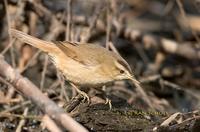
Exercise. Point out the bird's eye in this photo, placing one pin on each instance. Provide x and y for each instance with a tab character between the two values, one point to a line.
121	71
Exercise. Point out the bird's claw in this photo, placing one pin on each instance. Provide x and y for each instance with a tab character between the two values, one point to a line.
108	101
85	96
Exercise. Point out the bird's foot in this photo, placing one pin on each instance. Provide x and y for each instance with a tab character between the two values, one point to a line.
108	101
85	96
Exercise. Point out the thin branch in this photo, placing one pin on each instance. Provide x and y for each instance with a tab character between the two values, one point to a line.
108	29
44	72
69	18
50	124
182	11
22	121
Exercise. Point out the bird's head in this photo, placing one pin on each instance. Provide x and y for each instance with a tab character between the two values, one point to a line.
124	72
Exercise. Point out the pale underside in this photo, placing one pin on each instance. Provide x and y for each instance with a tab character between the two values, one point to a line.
85	76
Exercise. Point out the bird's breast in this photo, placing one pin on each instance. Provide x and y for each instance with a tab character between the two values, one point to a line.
80	74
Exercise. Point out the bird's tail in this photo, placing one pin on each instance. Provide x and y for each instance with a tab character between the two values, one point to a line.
35	42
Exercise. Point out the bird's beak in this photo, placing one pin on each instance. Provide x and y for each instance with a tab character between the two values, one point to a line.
132	78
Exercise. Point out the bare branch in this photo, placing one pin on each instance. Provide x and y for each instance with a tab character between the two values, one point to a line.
29	90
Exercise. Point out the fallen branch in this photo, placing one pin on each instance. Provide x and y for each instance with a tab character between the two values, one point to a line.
29	90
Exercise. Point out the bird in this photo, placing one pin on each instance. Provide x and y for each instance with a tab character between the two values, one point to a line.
83	64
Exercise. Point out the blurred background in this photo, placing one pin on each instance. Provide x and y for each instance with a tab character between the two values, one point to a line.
159	39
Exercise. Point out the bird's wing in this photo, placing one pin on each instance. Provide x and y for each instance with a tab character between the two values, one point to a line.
82	53
91	54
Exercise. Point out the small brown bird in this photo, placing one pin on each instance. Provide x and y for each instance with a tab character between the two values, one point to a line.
86	65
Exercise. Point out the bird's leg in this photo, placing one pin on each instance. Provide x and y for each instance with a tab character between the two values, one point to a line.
108	101
85	96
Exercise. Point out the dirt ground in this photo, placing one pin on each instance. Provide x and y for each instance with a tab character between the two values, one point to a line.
160	40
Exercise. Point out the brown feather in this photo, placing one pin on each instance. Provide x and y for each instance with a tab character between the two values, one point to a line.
35	42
